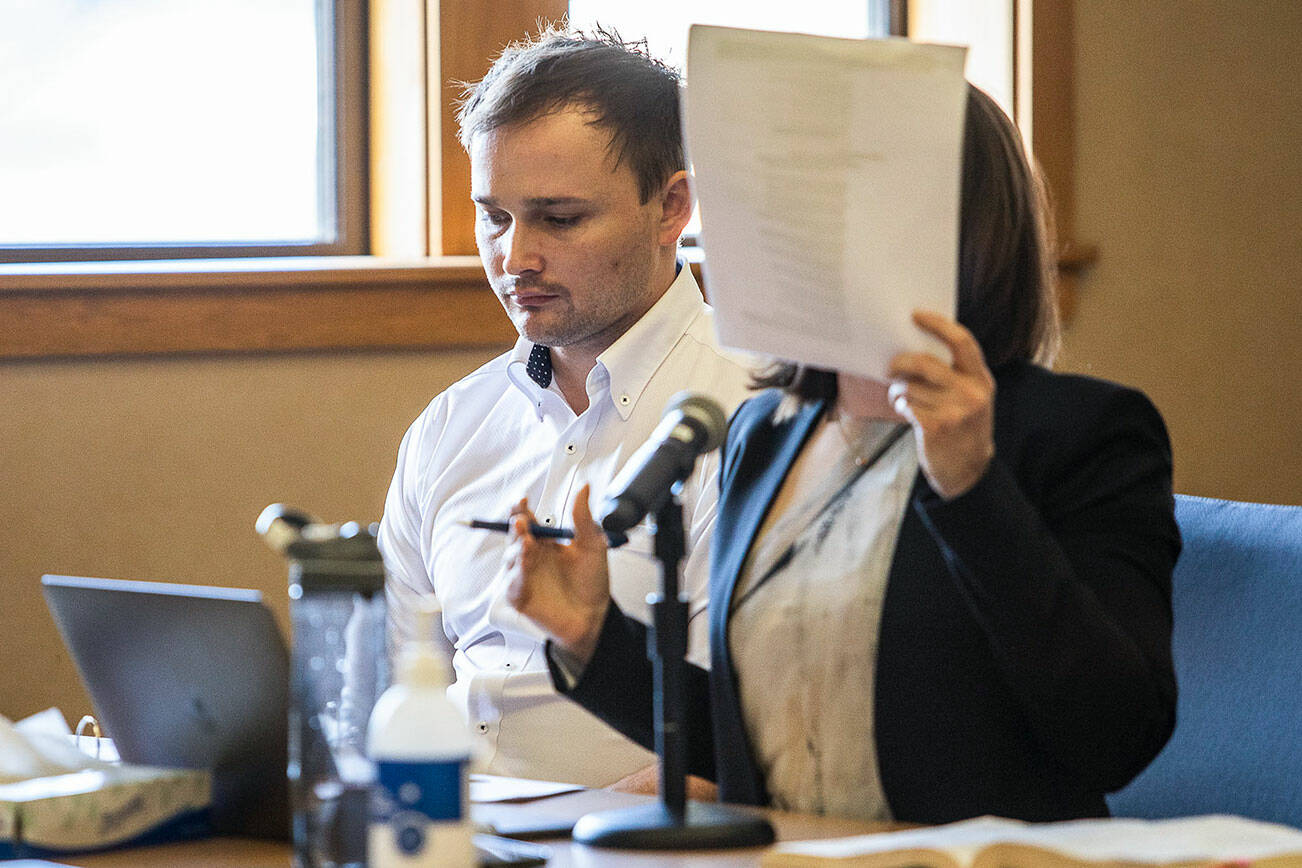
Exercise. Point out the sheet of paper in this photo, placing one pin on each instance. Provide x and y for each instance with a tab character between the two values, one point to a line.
964	839
1183	839
492	788
1218	838
827	172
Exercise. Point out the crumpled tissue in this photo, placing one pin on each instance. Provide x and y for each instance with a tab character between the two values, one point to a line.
40	746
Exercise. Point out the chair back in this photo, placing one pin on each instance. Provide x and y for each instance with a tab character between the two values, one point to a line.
1237	600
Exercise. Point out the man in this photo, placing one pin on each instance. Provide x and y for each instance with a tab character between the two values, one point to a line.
577	172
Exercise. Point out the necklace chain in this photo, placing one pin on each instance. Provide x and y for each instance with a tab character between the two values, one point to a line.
851	445
879	446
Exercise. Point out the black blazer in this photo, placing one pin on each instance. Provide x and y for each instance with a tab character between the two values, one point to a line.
1024	657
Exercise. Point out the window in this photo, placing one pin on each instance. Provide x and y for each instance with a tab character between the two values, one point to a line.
422	286
664	25
412	175
985	27
174	128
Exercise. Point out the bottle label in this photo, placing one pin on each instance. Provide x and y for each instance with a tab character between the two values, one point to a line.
418	814
432	789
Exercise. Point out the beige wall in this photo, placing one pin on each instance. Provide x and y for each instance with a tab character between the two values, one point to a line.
1189	178
156	469
1189	174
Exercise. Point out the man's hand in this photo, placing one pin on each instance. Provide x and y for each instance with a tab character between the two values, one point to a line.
646	781
564	589
951	407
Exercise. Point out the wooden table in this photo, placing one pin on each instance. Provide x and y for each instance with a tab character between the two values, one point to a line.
244	853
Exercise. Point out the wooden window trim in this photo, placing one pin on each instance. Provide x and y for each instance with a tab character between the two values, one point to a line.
1052	128
220	306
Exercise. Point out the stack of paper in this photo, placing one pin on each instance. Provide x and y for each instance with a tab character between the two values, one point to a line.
827	172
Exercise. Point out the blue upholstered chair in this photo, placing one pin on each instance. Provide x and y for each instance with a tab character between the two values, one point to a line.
1237	746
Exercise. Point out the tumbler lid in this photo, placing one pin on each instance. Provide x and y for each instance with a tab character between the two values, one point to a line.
348	560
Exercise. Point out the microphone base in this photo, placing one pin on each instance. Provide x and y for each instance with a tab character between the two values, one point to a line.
705	826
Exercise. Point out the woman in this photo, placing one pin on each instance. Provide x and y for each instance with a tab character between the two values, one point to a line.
945	597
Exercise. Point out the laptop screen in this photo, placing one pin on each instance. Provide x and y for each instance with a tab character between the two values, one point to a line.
186	676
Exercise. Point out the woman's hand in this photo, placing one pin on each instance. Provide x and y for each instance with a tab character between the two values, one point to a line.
564	589
951	407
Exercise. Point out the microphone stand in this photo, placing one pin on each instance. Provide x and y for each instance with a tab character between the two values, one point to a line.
672	823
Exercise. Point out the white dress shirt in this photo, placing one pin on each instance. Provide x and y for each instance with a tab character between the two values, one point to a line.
496	436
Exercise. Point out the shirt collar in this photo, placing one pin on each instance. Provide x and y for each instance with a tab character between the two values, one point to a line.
637	354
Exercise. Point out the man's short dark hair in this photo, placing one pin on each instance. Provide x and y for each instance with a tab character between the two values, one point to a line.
630	94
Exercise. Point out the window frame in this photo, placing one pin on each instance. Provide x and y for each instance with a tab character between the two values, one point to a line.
421	287
406	295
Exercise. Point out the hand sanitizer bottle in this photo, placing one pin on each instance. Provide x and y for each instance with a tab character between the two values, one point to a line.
421	750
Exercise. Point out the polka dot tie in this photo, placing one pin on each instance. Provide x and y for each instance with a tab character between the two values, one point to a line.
540	365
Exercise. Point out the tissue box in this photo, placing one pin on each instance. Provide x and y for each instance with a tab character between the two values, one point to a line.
95	810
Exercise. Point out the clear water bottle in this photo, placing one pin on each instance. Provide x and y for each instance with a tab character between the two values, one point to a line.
338	669
422	751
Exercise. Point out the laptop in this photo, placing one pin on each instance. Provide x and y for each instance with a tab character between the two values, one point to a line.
187	676
193	676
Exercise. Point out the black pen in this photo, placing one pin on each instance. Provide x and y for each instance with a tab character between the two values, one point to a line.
615	540
538	530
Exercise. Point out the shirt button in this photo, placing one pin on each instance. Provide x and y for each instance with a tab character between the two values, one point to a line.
569	448
483	727
624	400
547	521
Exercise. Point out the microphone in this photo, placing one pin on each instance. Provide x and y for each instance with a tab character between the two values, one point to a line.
692	425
